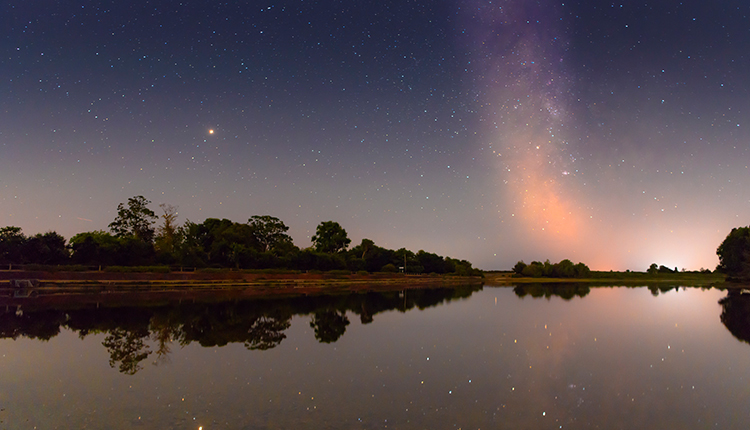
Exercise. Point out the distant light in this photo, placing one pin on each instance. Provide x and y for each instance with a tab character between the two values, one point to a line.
211	131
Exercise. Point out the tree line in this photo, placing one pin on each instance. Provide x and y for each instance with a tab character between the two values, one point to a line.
563	269
138	237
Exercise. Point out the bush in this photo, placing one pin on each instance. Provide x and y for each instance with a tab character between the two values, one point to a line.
389	268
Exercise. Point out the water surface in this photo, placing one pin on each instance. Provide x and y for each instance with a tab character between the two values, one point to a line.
604	358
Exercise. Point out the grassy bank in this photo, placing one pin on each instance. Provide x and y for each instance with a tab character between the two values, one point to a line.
624	278
222	279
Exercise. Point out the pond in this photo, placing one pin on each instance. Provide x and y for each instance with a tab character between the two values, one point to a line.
532	357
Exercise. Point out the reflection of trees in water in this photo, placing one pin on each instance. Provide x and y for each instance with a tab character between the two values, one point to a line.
251	323
569	290
329	325
132	333
163	332
735	314
42	325
566	290
128	348
267	331
657	289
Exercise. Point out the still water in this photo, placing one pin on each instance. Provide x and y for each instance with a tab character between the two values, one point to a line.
466	358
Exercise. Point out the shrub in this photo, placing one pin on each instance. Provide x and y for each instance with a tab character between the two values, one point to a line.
389	268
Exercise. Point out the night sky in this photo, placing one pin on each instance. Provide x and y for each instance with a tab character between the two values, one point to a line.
615	134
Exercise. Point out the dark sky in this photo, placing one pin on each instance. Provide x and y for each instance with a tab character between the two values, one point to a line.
610	133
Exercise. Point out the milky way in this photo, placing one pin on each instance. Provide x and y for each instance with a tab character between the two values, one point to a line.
581	165
525	113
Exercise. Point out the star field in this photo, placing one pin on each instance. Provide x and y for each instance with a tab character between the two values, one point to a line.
609	133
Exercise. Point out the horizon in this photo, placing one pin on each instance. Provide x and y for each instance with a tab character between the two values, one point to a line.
159	221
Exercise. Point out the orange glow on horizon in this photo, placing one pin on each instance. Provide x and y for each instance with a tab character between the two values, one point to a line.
545	209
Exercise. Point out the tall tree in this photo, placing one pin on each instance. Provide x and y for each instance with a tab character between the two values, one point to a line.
135	219
734	253
268	232
167	233
366	246
12	242
330	237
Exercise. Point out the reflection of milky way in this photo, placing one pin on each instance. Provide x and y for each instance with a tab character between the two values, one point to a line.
527	85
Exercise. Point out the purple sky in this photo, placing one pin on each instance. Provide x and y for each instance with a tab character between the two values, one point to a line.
615	134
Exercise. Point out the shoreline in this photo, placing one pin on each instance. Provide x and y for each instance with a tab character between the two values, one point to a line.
59	292
624	278
182	281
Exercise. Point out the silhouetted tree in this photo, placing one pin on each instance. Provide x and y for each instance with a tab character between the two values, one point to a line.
190	250
330	237
12	242
564	269
268	232
518	268
734	253
366	245
431	263
582	271
167	234
535	269
47	248
94	248
218	241
134	220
